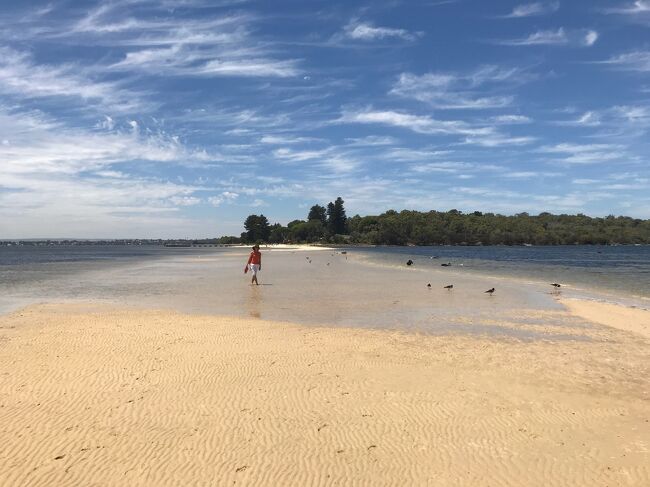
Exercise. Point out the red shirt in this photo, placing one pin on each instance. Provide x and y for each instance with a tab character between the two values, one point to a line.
255	258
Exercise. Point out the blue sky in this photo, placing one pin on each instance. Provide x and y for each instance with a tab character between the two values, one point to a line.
142	118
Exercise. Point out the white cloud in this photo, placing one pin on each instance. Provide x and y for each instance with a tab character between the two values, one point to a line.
372	140
225	197
559	37
586	153
511	119
283	139
632	61
542	37
365	31
185	200
40	145
587	119
21	77
417	123
637	7
590	38
453	91
532	9
496	140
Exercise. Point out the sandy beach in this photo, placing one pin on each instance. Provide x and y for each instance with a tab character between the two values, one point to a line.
520	392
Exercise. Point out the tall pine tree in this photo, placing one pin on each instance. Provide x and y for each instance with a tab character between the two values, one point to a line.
336	219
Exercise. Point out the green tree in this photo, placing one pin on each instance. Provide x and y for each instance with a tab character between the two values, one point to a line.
336	219
318	212
257	229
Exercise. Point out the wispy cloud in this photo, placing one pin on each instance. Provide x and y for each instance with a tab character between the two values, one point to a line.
585	153
366	31
559	37
22	77
587	119
455	91
631	8
416	123
533	9
631	61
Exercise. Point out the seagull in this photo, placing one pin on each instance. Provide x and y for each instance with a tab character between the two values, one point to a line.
409	262
490	291
555	284
451	286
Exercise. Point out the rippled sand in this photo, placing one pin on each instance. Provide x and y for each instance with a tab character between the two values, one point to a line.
106	395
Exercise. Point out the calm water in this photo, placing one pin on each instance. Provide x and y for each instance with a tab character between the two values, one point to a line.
621	270
327	287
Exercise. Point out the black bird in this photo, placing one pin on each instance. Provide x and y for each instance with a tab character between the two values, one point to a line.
409	262
490	291
429	285
448	264
451	286
555	284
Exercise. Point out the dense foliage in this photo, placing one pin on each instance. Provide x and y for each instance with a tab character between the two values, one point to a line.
448	228
321	225
455	228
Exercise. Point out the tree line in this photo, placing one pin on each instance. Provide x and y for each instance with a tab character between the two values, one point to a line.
331	225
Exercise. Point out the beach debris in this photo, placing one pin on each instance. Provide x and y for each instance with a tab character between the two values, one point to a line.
409	262
322	426
490	291
448	264
450	286
429	285
556	285
343	252
241	469
59	457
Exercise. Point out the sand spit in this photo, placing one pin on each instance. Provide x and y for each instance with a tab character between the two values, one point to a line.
95	395
634	320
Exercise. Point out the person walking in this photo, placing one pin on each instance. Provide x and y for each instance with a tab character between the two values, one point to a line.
254	263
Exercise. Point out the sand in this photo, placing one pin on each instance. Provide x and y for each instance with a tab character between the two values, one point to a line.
634	320
93	394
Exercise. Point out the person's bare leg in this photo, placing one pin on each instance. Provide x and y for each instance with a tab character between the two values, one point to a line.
254	280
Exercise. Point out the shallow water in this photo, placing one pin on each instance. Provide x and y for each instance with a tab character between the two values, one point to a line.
319	288
617	271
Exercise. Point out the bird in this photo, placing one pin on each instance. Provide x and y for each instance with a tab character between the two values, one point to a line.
555	284
490	291
450	286
429	285
409	262
448	264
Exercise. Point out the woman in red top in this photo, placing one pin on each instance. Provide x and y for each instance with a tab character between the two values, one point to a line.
254	263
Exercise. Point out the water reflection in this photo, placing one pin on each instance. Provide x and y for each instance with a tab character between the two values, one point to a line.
254	302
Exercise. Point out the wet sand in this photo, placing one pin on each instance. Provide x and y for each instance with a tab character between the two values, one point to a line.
511	389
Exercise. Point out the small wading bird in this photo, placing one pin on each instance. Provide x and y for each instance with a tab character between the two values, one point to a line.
490	291
450	286
556	285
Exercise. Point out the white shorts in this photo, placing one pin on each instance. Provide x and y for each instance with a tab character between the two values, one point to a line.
254	268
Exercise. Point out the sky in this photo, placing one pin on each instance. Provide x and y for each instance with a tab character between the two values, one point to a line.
177	119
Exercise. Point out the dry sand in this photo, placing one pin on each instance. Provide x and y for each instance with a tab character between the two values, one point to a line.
625	318
93	395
